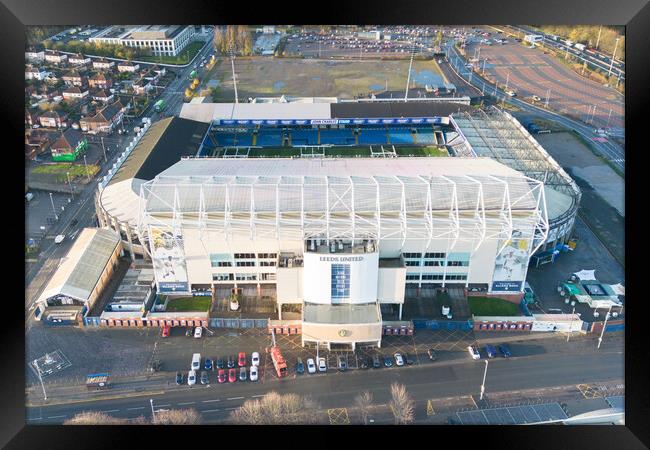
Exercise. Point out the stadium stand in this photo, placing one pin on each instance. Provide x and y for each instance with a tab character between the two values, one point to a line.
269	137
337	137
304	137
373	136
400	136
425	137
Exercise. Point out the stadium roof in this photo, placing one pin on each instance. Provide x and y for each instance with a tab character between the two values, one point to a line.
396	109
83	265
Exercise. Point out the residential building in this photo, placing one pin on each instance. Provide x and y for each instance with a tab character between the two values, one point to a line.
54	119
69	146
35	73
75	93
165	40
99	81
55	57
79	60
103	64
128	67
74	78
35	54
102	96
105	120
35	145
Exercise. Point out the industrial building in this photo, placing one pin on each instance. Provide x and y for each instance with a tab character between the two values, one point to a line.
337	237
163	40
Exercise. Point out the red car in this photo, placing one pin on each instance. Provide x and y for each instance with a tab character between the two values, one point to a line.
241	359
221	376
232	375
165	331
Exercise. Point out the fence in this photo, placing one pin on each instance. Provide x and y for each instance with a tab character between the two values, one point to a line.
443	324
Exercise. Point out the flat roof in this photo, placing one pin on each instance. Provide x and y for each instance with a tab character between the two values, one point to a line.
83	265
397	109
341	314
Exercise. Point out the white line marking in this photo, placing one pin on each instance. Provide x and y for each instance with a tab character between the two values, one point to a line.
260	395
210	410
138	407
186	403
111	410
210	401
34	418
228	409
235	398
55	417
162	406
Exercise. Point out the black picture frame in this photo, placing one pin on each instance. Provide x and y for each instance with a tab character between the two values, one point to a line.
635	15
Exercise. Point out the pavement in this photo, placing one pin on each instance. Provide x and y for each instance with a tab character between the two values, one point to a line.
576	363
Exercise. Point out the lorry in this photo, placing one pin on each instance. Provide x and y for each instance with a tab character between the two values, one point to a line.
279	363
97	381
192	74
580	47
29	196
159	105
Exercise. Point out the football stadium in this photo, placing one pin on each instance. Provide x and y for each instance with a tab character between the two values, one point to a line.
335	207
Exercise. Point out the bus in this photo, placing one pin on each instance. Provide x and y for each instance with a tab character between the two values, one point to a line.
278	362
159	105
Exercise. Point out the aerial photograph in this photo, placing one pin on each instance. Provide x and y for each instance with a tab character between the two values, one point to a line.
324	224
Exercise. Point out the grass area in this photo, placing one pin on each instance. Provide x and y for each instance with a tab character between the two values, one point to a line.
422	151
189	304
185	57
489	306
61	169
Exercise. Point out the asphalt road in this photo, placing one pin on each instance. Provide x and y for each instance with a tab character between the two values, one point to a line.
611	151
574	363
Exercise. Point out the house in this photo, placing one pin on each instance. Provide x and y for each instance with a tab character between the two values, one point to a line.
102	96
35	73
142	86
105	120
35	54
55	57
99	81
127	67
69	146
103	64
31	118
75	93
35	145
79	60
74	78
54	119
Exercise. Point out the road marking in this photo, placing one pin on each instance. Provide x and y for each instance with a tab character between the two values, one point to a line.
138	407
210	410
229	409
235	398
162	406
260	395
209	401
111	410
34	418
338	416
56	417
186	403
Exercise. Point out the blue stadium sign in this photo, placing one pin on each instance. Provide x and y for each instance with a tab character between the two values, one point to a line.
506	286
360	121
173	287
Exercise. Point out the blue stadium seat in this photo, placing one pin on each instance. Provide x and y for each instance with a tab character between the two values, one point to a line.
400	136
425	137
337	137
304	137
372	136
269	137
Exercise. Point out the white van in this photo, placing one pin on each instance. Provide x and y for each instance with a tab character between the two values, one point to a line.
196	361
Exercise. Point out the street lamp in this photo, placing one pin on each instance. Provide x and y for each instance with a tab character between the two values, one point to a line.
38	371
153	413
613	56
571	324
67	174
484	375
600	339
86	167
56	216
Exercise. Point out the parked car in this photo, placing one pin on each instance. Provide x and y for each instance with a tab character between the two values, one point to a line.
432	354
365	363
311	366
490	350
511	93
473	351
343	365
255	359
198	332
408	359
179	378
208	364
399	360
191	377
231	361
165	331
221	376
241	359
376	362
505	351
388	361
232	375
220	363
242	374
253	373
536	98
322	365
204	377
300	367
189	331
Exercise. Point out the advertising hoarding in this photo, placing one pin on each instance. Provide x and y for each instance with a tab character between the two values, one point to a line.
168	260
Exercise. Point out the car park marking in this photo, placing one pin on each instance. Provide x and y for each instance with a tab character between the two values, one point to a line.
234	398
338	416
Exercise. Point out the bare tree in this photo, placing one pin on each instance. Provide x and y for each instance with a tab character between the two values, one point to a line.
364	402
276	409
401	404
94	418
178	417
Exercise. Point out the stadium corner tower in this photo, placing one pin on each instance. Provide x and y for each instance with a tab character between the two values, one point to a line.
344	239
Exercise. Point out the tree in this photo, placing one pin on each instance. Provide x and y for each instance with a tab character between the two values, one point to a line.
276	409
219	39
94	418
230	38
364	402
178	417
401	404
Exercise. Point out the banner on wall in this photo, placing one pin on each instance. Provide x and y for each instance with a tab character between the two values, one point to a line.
169	264
510	266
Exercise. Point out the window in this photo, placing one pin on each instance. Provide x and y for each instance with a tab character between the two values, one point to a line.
267	255
413	277
412	255
268	276
412	263
245	277
245	264
431	276
434	255
456	277
267	263
433	263
457	263
340	281
222	276
244	255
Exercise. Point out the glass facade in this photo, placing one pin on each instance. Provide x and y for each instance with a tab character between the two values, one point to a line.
340	282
